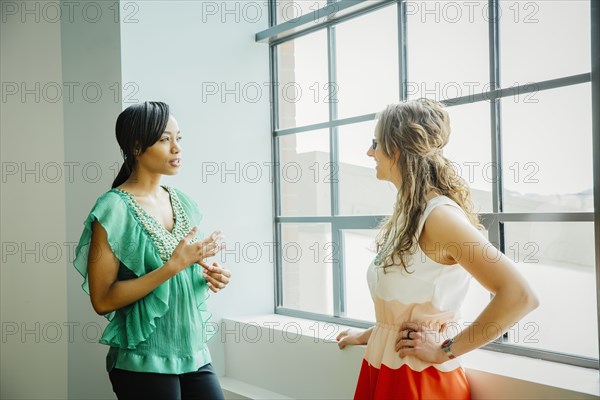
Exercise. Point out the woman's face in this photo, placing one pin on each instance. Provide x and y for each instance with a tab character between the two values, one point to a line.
164	156
384	166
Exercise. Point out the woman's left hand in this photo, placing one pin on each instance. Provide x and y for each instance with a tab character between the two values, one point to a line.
216	277
417	340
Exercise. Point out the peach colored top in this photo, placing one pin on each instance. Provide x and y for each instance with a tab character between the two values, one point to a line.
431	294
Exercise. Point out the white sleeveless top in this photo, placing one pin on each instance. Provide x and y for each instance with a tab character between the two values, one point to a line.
432	294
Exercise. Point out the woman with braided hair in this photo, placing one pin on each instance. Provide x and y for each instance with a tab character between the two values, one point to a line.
427	252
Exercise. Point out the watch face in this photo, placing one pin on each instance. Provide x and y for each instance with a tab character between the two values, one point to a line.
446	347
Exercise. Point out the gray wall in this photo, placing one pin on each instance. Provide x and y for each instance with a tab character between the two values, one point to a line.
91	57
33	285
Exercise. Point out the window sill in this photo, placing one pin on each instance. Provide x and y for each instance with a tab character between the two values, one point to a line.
542	372
481	365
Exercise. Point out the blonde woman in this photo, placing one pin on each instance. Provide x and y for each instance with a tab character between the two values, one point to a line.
427	252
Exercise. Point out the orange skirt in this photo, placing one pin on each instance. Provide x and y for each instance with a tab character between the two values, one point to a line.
404	383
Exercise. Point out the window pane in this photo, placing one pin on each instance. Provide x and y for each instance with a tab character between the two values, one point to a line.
557	258
547	140
367	63
289	10
307	254
302	71
361	193
546	150
447	49
469	149
542	40
305	174
358	254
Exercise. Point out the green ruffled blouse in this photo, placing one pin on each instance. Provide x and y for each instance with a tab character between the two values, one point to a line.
166	331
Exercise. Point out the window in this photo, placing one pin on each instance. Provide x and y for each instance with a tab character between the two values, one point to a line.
515	77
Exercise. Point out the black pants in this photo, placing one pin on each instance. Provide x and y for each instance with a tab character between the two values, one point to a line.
202	384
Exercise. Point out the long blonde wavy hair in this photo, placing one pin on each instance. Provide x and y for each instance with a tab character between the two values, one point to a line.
416	132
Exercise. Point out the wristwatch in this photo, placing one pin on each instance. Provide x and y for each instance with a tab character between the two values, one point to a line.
446	347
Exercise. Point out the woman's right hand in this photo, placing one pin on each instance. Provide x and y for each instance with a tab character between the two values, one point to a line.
350	337
186	253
